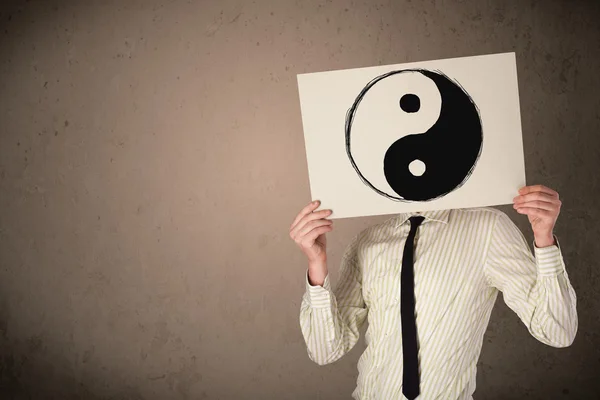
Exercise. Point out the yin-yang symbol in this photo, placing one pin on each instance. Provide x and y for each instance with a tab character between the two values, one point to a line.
413	135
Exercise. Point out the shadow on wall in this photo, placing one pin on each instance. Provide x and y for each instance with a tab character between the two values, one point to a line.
25	374
30	369
35	367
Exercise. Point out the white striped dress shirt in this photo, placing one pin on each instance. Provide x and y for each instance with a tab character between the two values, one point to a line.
462	259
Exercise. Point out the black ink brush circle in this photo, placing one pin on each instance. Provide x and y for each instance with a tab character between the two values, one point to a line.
410	103
450	148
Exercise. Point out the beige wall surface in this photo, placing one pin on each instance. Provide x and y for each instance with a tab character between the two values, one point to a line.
152	158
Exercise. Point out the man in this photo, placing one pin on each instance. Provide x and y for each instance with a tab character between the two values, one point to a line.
461	259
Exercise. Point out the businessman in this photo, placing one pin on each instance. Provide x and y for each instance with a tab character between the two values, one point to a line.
427	282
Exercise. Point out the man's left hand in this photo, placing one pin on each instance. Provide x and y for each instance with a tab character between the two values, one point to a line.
542	206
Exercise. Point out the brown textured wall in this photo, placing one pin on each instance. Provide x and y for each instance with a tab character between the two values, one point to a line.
152	158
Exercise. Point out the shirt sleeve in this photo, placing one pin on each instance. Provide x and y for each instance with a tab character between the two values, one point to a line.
536	288
330	320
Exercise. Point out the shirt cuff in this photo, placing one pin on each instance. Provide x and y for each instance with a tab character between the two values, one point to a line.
318	296
549	259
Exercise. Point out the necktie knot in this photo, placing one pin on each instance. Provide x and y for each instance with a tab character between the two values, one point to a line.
415	221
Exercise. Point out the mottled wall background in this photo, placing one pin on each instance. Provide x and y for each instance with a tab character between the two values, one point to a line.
152	159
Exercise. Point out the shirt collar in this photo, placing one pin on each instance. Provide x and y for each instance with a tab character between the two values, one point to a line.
435	215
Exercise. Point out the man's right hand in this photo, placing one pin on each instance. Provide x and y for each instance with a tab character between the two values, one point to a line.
308	231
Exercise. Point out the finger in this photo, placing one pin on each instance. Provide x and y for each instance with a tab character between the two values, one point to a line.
315	215
310	207
315	233
543	205
312	225
538	188
535	212
539	196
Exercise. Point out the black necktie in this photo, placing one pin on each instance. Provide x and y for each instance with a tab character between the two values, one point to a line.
410	354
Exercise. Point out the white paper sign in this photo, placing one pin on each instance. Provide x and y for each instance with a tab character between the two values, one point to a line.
422	136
